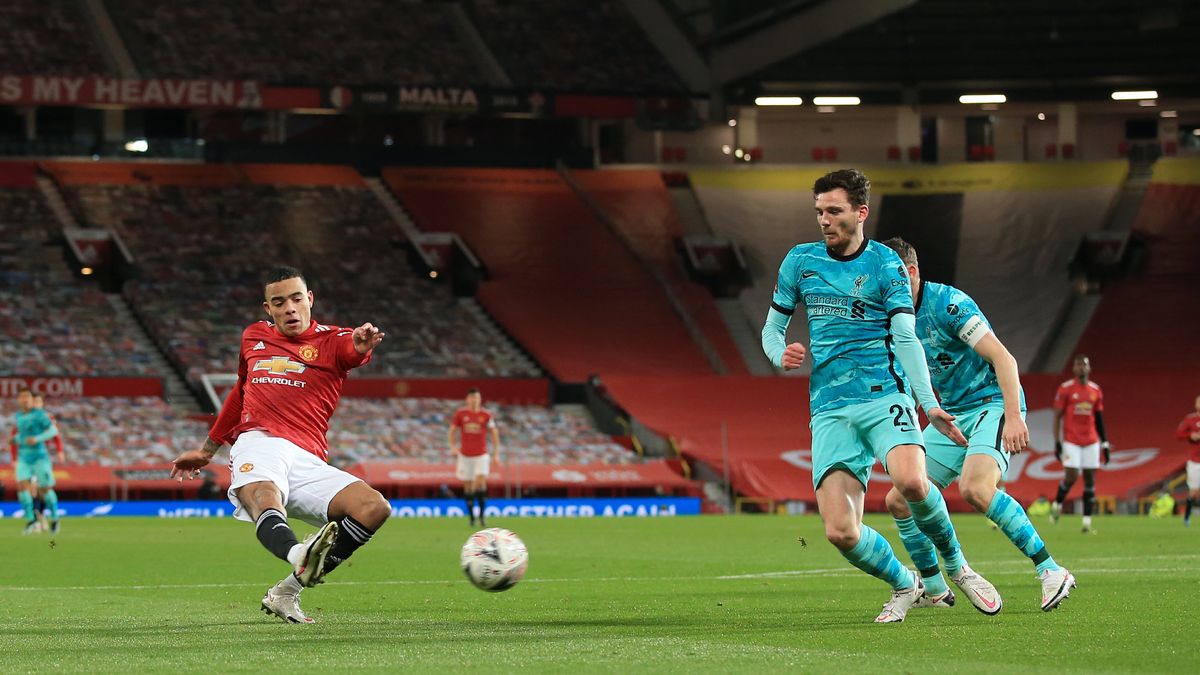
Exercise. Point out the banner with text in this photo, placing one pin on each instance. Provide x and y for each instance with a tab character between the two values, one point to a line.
61	90
81	386
630	507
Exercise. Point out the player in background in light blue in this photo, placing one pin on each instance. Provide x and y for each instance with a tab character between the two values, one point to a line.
979	384
34	428
859	308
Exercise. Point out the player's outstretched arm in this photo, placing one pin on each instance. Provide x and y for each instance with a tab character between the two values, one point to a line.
367	337
188	464
1015	433
903	327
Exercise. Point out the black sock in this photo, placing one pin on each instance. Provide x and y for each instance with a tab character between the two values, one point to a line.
1089	498
1187	510
275	533
479	498
351	535
470	499
1063	489
39	505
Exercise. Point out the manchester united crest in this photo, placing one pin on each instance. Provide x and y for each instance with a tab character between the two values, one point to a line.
308	352
247	468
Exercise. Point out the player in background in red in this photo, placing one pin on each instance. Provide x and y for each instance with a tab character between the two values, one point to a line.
471	424
1079	409
1189	430
290	376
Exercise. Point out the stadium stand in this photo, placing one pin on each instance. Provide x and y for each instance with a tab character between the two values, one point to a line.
52	324
1148	321
121	431
573	45
47	38
414	429
179	219
638	204
1004	233
560	282
118	431
373	42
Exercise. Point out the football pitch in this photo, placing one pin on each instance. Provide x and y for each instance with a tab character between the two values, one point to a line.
696	595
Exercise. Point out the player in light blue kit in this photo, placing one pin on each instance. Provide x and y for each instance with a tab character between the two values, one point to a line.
979	384
860	318
34	428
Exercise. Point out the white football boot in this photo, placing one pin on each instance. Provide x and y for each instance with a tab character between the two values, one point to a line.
283	600
308	557
982	594
941	601
1056	586
896	609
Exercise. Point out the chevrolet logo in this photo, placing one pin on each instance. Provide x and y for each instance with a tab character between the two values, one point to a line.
279	365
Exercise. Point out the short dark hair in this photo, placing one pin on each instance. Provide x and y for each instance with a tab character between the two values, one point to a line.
21	389
1082	357
852	181
907	253
281	273
472	390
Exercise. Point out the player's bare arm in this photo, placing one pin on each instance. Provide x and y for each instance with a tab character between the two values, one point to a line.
1056	429
451	441
188	464
1015	432
496	443
366	337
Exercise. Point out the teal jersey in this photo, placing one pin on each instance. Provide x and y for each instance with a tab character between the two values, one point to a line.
33	423
849	301
949	325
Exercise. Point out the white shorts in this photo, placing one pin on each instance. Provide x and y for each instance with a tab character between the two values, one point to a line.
471	467
1193	475
1081	456
306	483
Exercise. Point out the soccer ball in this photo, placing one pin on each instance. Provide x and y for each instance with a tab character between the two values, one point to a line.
494	559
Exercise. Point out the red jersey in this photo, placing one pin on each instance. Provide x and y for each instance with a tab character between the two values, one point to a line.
288	387
1190	425
472	428
1079	404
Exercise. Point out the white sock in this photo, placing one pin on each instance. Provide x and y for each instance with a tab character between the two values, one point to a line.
1087	521
291	584
296	554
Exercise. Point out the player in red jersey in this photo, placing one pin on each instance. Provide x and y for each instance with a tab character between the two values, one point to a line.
1189	430
290	375
472	423
1079	409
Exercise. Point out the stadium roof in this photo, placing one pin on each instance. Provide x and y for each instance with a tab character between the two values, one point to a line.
1040	49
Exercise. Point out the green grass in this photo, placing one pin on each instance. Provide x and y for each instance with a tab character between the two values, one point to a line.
708	594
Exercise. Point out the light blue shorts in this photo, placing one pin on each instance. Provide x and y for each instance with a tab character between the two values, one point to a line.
983	426
39	469
854	437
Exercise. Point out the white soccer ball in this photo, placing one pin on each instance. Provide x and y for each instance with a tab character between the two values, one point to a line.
494	559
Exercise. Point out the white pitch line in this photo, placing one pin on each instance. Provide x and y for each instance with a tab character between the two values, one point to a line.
830	572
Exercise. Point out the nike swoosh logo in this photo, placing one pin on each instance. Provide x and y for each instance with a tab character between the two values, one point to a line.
806	275
989	605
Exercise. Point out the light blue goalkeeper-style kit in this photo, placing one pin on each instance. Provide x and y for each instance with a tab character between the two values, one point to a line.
950	325
862	328
33	459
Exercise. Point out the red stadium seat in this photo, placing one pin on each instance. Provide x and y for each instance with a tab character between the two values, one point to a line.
914	153
831	154
1068	150
1051	151
893	153
818	154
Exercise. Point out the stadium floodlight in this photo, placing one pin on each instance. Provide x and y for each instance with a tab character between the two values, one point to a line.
836	100
778	100
137	145
982	98
1134	95
1169	113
